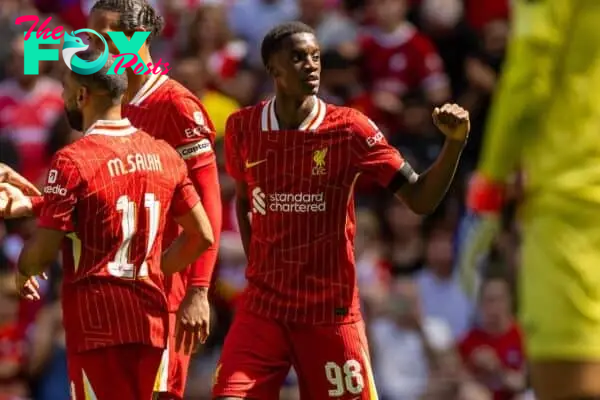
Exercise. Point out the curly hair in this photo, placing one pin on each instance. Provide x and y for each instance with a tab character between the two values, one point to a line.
134	14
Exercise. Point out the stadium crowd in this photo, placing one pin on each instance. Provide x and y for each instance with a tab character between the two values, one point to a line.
392	60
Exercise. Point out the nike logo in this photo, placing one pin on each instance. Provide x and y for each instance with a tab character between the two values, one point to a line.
254	164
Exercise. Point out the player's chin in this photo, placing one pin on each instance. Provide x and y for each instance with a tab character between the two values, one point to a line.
311	87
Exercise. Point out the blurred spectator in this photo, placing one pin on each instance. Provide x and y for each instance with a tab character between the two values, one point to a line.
405	244
397	62
333	28
493	351
210	39
29	107
339	78
13	384
480	12
252	19
482	69
407	344
191	72
439	286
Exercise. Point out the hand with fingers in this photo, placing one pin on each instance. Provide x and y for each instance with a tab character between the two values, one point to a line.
13	202
453	121
9	175
28	286
193	323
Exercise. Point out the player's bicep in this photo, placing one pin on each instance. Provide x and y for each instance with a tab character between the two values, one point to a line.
60	195
193	132
377	159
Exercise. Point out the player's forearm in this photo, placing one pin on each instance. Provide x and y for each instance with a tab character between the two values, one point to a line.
206	182
242	210
183	251
423	196
36	256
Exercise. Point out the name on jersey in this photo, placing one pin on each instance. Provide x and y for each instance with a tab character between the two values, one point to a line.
287	202
194	149
134	162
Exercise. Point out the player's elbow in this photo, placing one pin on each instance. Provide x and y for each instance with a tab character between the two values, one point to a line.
206	238
423	208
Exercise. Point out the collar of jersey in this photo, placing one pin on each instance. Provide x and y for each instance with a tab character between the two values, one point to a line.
314	119
117	127
154	82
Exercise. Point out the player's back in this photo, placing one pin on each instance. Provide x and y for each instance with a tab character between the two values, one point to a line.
561	150
113	290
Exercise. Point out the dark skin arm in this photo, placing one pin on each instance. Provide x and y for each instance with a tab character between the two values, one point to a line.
37	254
423	196
242	210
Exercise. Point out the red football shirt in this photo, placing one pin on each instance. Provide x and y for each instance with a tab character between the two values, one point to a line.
111	191
508	348
168	111
301	266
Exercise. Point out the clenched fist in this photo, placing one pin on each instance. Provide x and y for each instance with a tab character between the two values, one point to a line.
453	121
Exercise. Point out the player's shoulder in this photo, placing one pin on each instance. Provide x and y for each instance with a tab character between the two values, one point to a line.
347	116
177	94
245	116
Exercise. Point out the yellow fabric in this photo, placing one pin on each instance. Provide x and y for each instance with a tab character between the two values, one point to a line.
219	107
545	120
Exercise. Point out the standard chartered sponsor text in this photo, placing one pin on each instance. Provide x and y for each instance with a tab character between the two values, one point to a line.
297	202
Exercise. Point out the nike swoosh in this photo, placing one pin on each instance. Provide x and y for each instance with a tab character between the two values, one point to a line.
254	164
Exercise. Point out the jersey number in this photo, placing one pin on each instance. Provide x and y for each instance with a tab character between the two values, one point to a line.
121	267
347	378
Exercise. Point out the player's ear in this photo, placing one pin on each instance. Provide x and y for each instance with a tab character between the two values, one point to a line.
82	95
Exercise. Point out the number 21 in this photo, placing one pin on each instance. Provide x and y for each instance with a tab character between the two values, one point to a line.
121	266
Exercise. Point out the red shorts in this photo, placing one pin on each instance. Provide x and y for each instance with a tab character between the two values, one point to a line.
174	367
330	360
125	372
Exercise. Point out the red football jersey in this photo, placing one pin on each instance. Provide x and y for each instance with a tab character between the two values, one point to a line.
509	349
301	266
168	111
112	191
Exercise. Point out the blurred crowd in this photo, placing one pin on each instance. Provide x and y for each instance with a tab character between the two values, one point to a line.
392	59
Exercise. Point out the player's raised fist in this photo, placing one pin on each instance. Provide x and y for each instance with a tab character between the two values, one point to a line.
13	202
7	174
453	121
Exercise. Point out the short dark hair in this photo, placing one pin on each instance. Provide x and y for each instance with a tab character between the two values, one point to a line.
135	14
115	85
274	38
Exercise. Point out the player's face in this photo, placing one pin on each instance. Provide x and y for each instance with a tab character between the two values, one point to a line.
103	22
73	97
297	66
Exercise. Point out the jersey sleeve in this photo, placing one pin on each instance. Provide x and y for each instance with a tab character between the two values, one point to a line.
60	194
233	159
529	76
185	196
374	156
192	133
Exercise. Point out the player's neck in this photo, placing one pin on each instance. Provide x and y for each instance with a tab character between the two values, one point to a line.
110	114
291	111
134	85
135	81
